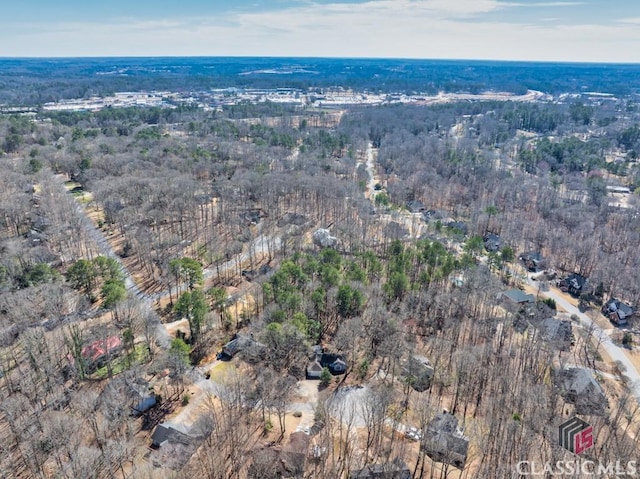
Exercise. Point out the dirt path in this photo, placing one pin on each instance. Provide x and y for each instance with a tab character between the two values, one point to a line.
162	337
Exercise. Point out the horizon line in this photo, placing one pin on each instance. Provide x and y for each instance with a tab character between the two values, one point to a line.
364	58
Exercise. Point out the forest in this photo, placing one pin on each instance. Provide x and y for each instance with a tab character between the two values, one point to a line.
263	291
34	81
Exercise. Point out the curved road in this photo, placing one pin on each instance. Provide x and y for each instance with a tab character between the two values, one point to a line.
616	352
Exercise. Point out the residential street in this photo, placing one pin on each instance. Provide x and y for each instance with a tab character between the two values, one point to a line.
616	352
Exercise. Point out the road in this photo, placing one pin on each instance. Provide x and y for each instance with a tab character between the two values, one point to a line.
162	337
412	222
614	351
260	246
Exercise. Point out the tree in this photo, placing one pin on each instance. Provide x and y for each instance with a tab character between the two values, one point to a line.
325	377
108	268
192	271
193	306
180	351
82	276
218	298
113	292
397	286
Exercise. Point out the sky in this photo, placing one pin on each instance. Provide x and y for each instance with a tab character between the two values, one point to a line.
538	30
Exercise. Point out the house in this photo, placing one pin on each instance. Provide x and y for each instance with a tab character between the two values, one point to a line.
145	404
96	354
286	462
579	387
432	215
617	311
396	469
533	261
556	332
238	344
418	372
492	243
415	206
335	363
323	239
445	442
165	433
314	370
458	227
573	284
517	296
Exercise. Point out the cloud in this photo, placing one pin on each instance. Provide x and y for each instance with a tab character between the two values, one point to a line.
630	21
376	28
545	4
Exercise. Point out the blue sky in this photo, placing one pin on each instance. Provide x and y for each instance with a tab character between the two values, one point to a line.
580	30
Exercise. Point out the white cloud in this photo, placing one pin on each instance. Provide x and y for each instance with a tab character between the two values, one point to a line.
631	21
378	28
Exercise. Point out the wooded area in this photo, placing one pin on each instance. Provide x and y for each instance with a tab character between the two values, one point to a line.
166	273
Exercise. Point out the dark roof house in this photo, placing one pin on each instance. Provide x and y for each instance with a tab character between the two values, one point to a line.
415	206
240	343
418	371
579	387
335	363
573	284
458	226
288	461
617	311
165	433
445	442
492	243
533	261
391	470
517	296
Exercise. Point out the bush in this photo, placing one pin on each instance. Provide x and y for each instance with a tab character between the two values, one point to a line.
325	377
550	302
185	399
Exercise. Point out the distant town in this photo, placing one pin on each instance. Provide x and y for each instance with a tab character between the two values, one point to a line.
317	98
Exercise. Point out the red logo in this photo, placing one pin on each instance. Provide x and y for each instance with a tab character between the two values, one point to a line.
576	435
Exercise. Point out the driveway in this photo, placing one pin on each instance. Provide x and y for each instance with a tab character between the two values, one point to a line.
617	353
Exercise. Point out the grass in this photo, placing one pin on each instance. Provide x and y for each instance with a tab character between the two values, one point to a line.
139	355
221	370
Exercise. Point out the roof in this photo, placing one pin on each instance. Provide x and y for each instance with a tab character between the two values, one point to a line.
322	237
445	442
579	387
576	281
556	330
391	470
492	242
579	380
615	305
237	344
415	206
166	433
101	347
145	404
518	296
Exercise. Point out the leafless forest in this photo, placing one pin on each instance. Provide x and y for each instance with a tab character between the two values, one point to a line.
137	243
